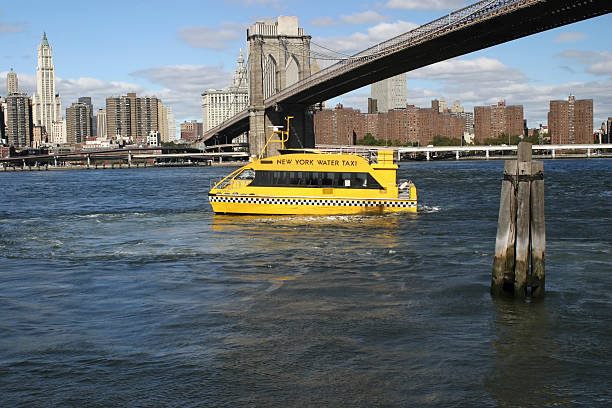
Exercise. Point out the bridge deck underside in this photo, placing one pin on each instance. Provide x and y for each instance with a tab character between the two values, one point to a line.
498	29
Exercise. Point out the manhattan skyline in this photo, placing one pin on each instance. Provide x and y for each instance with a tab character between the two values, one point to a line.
177	53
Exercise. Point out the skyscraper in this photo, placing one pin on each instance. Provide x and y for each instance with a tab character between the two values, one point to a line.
19	120
171	122
87	100
78	123
132	117
219	105
2	123
101	128
390	93
12	83
47	105
571	121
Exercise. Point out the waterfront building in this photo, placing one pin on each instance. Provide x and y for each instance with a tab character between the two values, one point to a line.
191	130
12	83
19	120
132	117
411	125
389	93
2	122
39	137
101	127
571	121
78	122
495	120
58	132
432	123
47	105
170	123
167	124
94	128
339	126
219	105
154	139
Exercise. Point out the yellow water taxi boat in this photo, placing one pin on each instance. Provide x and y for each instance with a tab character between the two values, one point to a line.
311	182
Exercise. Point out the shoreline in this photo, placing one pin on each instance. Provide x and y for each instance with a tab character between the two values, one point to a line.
11	169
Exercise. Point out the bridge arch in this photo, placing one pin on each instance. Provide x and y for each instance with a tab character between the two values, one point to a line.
292	71
270	77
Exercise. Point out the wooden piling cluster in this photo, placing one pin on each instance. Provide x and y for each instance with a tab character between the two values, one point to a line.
521	231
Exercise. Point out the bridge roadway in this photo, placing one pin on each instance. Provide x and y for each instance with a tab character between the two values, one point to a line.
552	149
475	27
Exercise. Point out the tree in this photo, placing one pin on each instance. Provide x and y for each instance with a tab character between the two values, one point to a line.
445	141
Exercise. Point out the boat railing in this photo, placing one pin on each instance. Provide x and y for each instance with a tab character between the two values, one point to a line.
403	188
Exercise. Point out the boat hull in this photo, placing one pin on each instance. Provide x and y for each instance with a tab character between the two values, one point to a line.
291	205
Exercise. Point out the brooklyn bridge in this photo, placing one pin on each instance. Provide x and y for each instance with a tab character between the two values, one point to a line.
281	81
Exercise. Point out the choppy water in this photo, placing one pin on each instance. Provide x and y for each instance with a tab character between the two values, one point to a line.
121	288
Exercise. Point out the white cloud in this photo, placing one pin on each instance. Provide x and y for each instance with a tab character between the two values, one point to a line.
210	37
425	4
485	81
359	41
177	86
569	37
597	63
469	72
182	86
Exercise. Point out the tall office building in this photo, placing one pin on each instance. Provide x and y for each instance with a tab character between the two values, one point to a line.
101	128
87	100
19	120
12	83
78	123
571	121
2	122
132	117
47	105
495	120
390	93
219	105
171	123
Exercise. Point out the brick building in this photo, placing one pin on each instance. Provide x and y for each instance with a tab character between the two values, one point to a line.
191	130
339	126
495	120
342	126
571	121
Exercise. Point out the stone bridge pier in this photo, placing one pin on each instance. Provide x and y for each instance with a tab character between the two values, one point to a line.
279	56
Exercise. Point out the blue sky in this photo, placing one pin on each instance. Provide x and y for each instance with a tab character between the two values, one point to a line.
177	50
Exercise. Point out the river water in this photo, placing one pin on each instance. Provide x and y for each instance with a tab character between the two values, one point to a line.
121	288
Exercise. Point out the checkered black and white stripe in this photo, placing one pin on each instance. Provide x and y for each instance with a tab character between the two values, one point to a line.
342	202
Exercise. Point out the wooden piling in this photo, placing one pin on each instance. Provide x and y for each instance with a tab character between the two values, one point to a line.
521	265
538	230
521	228
503	263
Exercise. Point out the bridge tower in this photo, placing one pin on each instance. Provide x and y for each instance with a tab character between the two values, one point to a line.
279	56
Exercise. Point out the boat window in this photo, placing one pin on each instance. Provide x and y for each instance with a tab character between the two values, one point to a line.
247	174
264	178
